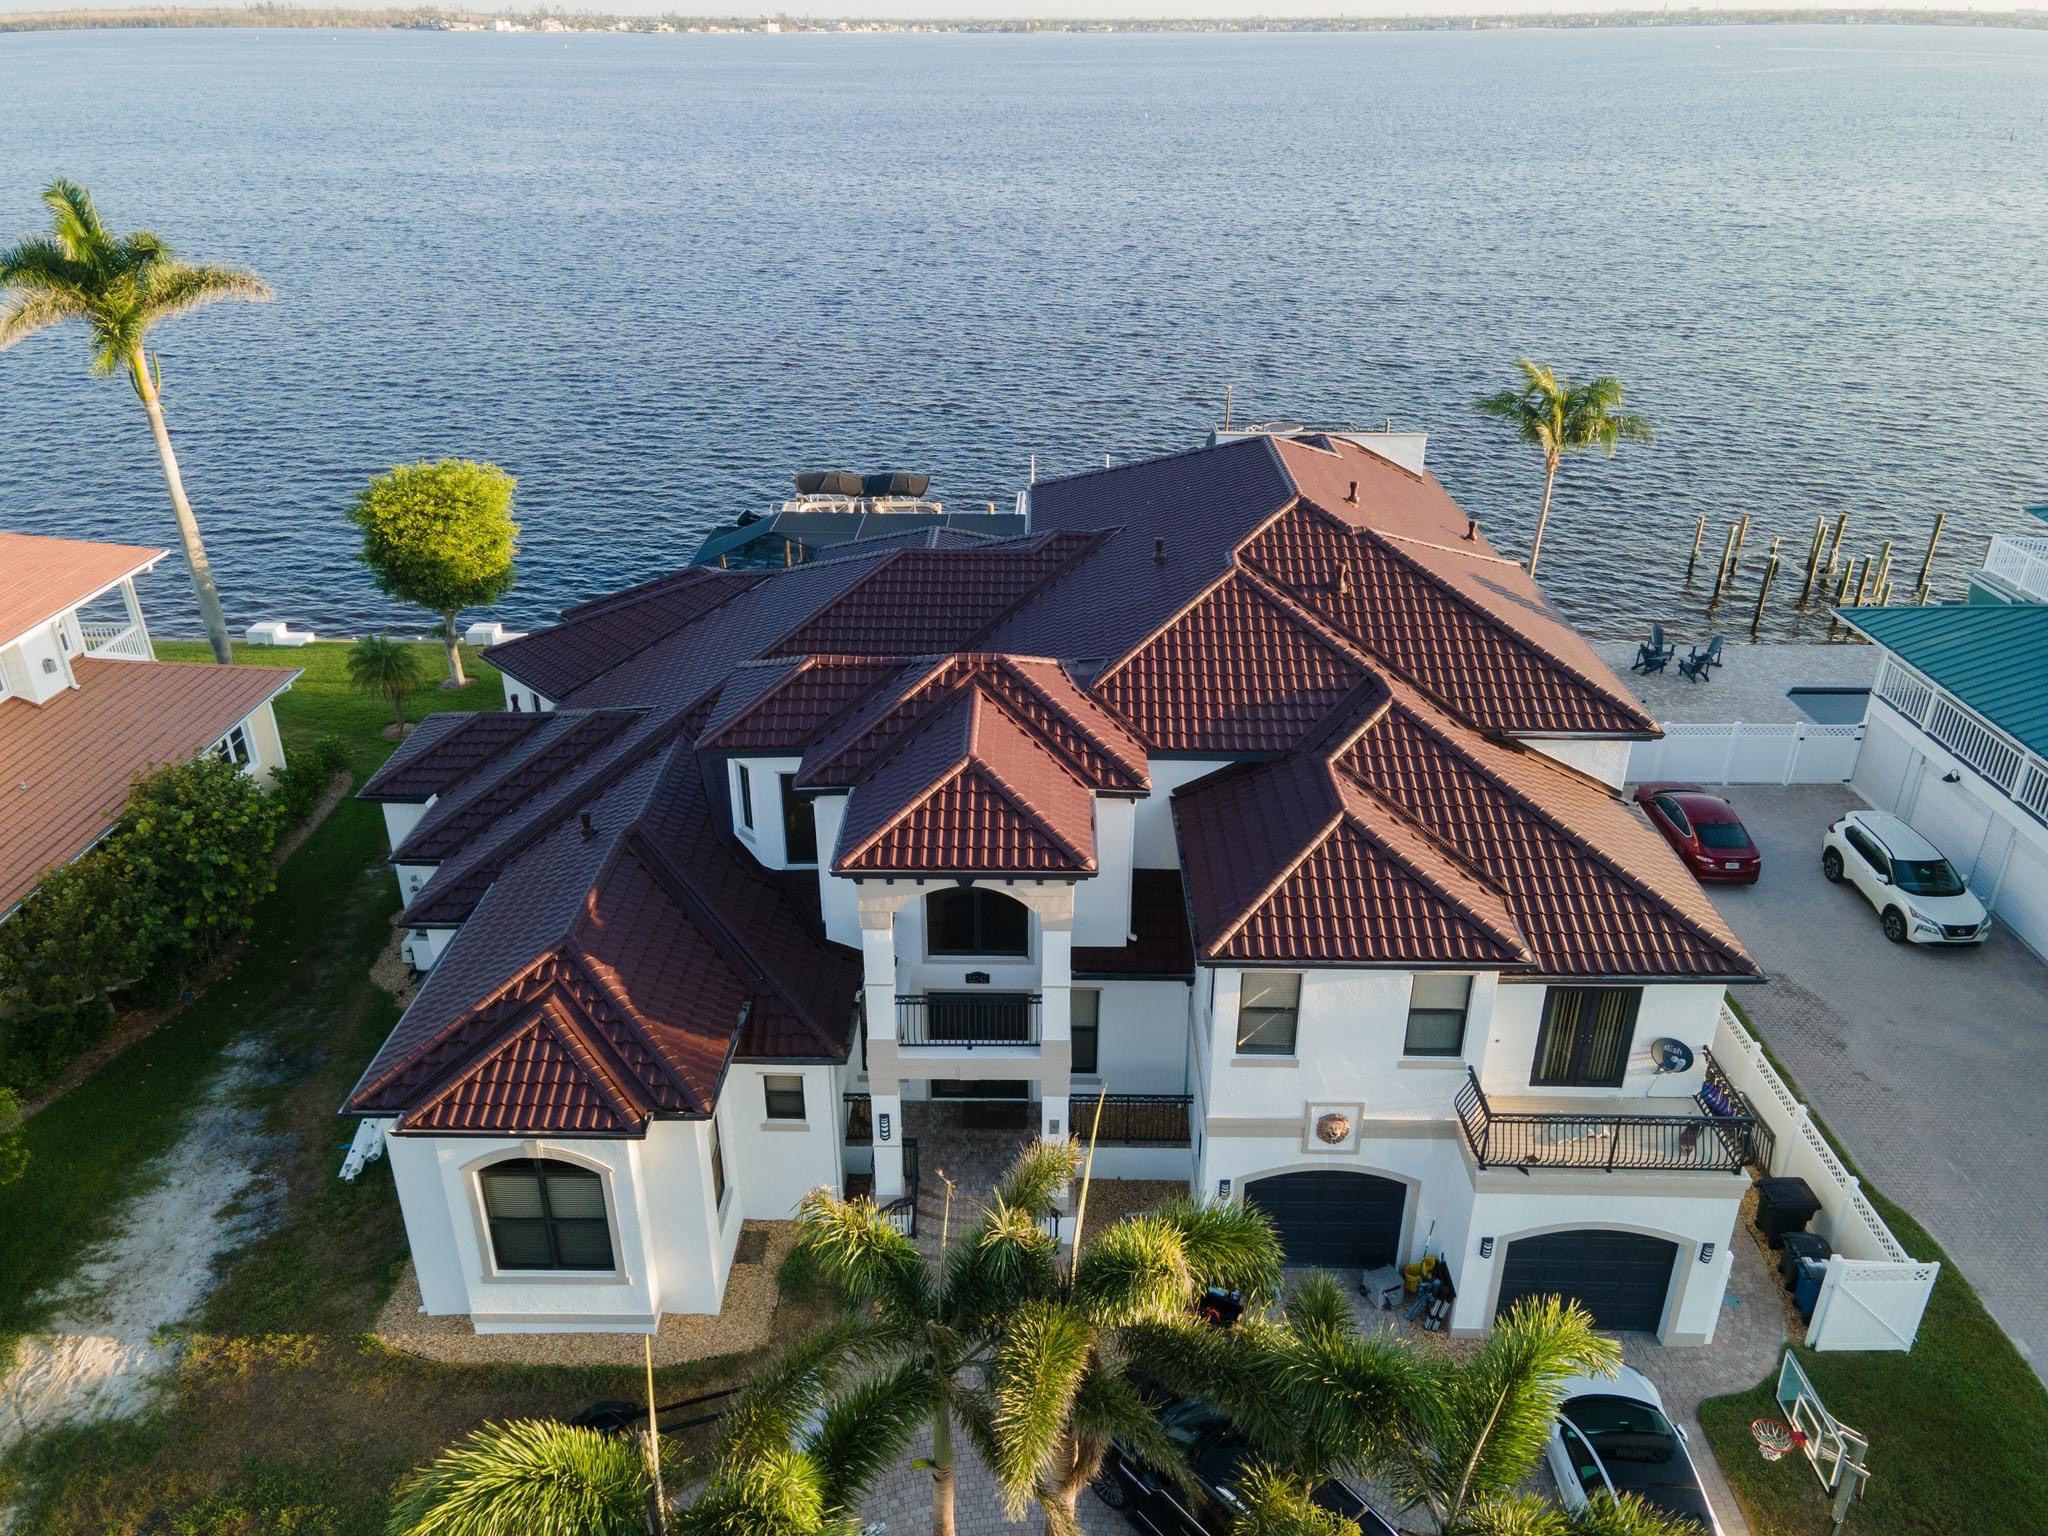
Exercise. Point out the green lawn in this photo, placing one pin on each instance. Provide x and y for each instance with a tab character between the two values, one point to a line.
284	1419
1956	1427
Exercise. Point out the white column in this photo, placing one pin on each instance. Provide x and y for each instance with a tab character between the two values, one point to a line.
134	606
878	978
886	1114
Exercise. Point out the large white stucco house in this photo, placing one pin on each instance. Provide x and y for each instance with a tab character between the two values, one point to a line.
1250	785
85	706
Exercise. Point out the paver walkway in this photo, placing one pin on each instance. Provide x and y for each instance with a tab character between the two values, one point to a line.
1930	1064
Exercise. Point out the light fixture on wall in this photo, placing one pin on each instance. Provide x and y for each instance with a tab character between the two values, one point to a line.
1951	777
1706	1253
1486	1247
1223	1189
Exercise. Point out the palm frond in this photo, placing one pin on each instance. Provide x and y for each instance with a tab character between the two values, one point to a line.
777	1493
1039	1362
1319	1304
1524	1514
40	265
1278	1505
1229	1243
75	219
1109	1408
869	1260
788	1394
1342	1401
1628	1515
535	1477
1040	1172
867	1427
1005	1261
36	311
175	288
1135	1271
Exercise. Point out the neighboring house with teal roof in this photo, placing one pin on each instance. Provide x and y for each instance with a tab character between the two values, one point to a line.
1956	742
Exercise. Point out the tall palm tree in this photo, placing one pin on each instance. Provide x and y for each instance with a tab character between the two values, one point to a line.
1561	417
385	669
795	1454
121	286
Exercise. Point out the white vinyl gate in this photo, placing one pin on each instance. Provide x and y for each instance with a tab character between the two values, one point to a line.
1740	752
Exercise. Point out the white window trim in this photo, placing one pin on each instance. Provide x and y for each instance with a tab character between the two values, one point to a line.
472	1176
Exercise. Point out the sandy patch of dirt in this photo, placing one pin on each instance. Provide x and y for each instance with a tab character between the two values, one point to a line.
750	1299
211	1193
390	973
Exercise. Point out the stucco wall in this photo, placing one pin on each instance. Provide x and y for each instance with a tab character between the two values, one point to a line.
1683	1011
1102	903
777	1162
1142	1040
1154	845
1606	761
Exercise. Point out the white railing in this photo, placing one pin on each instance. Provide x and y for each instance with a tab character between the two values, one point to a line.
1975	741
124	641
1749	752
2021	561
1874	1292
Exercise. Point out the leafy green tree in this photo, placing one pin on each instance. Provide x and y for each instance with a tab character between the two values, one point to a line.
198	836
1560	417
87	928
386	669
1028	1358
795	1454
440	536
13	1145
121	286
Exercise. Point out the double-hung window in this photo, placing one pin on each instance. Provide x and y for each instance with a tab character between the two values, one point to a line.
1268	1003
1586	1037
1437	1006
545	1214
785	1094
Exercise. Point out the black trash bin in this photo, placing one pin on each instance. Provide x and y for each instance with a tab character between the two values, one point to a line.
1783	1205
1801	1245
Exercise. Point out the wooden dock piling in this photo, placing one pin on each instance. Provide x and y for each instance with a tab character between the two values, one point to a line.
1820	537
1835	549
1927	561
1727	565
1862	581
1881	582
1741	538
1699	529
1770	572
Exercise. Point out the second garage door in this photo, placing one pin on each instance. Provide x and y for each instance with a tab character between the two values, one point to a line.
1339	1220
1621	1277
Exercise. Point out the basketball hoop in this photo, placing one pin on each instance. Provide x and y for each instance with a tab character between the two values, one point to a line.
1775	1438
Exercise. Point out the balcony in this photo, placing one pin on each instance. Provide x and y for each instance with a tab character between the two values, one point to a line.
122	642
2020	563
1133	1119
1997	757
967	1020
1651	1135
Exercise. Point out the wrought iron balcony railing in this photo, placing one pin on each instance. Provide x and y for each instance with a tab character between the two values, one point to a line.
967	1019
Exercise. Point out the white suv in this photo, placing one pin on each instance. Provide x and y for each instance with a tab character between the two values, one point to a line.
1919	897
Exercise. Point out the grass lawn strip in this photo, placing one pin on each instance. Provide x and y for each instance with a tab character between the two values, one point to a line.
1956	1426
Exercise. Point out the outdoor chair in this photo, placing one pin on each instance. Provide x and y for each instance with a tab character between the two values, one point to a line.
1652	656
1698	663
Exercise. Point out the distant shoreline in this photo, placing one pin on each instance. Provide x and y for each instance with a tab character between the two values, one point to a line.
428	19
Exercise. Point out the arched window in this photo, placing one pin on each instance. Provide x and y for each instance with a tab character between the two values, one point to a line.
545	1214
976	921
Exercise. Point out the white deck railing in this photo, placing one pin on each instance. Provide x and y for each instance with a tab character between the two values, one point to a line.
2022	562
125	642
1875	1292
2010	767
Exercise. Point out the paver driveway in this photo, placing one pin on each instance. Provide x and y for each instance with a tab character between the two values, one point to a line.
1930	1064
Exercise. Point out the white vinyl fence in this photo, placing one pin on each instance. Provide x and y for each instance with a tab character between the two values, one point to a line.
1874	1293
1746	752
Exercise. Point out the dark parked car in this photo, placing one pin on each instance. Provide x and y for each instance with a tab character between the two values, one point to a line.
1705	830
1218	1453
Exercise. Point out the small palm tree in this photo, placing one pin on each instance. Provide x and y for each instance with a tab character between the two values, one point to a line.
121	286
387	669
796	1453
1561	417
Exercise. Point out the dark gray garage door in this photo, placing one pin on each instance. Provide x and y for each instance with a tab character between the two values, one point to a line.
1621	1277
1341	1220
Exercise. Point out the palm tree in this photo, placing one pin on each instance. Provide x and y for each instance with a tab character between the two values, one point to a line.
795	1454
121	286
1455	1441
1561	417
387	669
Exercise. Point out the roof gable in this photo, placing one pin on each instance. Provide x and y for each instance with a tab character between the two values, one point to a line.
42	577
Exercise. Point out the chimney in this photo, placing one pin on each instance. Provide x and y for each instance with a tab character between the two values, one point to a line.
1352	494
1159	551
589	827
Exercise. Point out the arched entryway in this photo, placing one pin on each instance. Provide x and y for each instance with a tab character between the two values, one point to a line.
1622	1278
1333	1217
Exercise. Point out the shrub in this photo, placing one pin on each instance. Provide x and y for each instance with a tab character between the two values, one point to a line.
13	1155
298	787
85	929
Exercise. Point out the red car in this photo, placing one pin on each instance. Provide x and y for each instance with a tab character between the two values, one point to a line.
1705	830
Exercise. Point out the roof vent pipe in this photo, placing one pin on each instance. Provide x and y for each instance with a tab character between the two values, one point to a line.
1352	494
589	827
1159	551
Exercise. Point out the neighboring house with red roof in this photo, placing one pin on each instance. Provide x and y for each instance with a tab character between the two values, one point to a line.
86	708
1250	787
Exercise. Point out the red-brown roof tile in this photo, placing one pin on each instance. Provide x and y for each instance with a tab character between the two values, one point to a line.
539	761
604	634
42	577
1160	944
443	750
784	703
66	765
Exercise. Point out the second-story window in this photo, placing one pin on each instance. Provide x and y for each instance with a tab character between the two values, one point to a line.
1437	1006
1587	1033
1267	1006
1087	1023
785	1092
976	921
717	1169
746	781
799	826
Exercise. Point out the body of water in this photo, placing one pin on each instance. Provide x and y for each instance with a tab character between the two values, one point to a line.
653	275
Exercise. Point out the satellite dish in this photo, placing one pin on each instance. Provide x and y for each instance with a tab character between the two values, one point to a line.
1671	1055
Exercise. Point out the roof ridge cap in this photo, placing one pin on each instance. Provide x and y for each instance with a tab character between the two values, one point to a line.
1286	872
1021	803
1510	937
1091	540
599	1074
491	999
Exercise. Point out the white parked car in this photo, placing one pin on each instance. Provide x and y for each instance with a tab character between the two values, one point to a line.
1919	897
1612	1436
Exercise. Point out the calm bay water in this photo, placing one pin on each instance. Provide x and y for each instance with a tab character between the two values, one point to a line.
653	275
